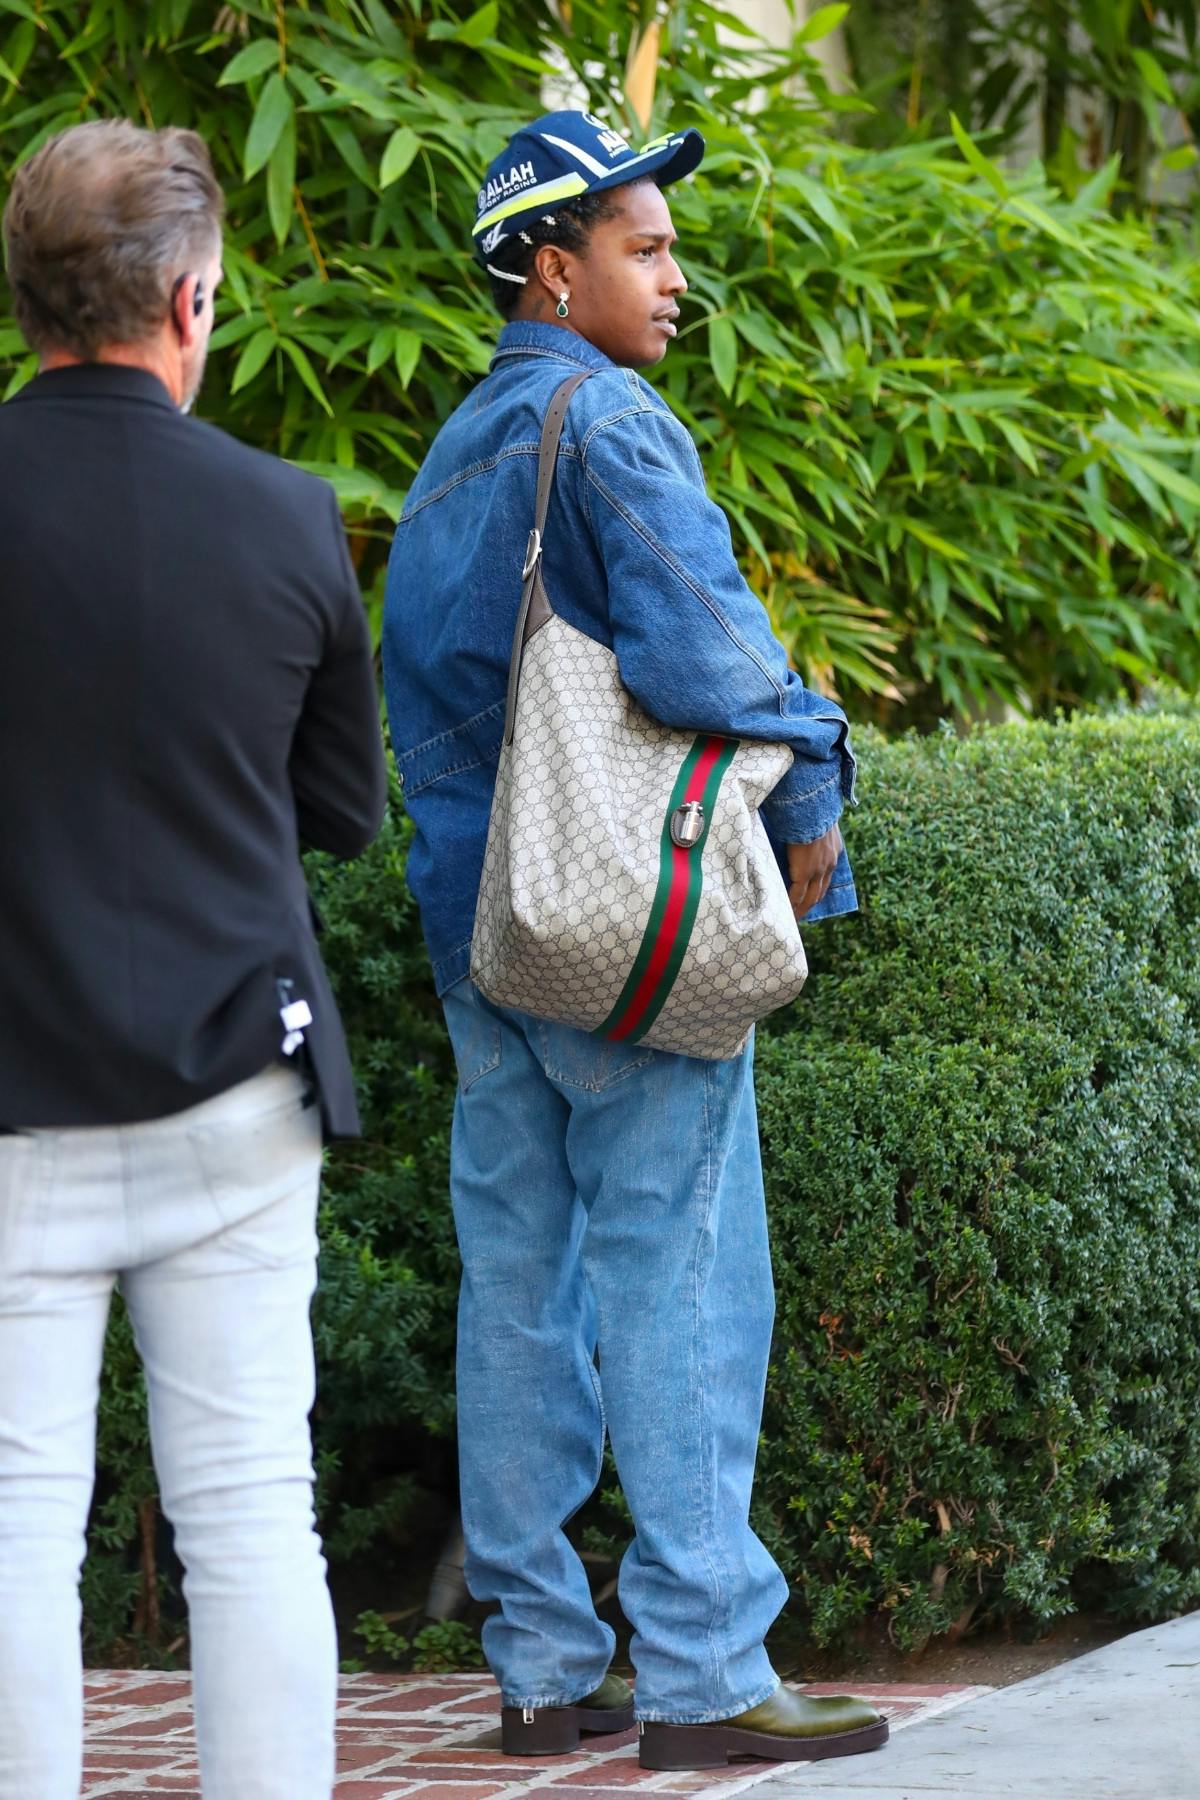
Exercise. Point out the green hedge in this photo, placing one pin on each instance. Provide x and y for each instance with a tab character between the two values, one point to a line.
982	1132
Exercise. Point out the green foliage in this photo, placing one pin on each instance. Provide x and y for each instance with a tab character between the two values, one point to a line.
121	1588
449	1644
982	1133
379	1638
960	436
951	412
1092	78
446	1645
389	1265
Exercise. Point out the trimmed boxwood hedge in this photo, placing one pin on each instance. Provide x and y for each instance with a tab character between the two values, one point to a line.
981	1126
982	1132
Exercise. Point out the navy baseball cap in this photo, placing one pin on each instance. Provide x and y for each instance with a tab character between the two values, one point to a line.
563	155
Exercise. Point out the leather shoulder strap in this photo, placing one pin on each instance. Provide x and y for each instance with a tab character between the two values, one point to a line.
535	606
552	429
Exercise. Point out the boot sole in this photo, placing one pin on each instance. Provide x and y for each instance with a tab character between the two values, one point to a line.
556	1730
710	1746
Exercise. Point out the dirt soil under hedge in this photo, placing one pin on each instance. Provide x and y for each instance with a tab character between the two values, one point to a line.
991	1659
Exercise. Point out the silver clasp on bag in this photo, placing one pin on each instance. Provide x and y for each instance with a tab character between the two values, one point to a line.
533	550
687	824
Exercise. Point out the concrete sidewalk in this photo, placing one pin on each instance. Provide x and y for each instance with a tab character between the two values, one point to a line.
1122	1723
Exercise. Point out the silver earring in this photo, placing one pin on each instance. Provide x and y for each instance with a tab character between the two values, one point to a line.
562	309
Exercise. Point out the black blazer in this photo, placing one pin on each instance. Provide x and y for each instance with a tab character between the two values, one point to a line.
186	695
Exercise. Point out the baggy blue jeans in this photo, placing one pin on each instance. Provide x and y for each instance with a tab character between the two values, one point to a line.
609	1206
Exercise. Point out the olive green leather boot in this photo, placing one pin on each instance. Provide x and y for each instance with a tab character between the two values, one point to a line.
787	1727
554	1730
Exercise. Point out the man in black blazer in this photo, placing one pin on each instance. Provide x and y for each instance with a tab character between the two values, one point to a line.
186	697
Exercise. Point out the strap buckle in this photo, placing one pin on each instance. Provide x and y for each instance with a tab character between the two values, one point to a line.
533	551
688	824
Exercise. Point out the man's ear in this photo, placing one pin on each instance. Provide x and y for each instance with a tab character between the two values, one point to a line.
184	309
551	270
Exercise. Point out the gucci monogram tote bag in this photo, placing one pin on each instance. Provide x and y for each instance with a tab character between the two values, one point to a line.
629	888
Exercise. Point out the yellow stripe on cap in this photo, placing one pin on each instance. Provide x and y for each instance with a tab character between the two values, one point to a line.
545	194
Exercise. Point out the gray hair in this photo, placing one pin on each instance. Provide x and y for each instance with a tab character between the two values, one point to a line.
100	223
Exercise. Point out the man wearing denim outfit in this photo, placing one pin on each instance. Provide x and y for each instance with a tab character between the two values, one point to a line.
608	1198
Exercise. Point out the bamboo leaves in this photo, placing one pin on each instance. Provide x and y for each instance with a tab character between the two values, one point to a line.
273	112
402	147
723	352
406	349
281	180
821	23
978	161
952	409
253	358
1154	76
254	59
480	26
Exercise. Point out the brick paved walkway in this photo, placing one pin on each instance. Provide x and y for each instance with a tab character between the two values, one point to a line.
432	1737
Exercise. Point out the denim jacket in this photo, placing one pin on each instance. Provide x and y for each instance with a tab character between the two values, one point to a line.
636	556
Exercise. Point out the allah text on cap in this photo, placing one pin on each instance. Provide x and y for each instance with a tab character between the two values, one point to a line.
500	186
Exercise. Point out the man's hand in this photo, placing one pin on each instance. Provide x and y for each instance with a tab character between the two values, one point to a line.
810	870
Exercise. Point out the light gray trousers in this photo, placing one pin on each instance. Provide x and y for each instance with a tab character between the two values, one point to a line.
208	1220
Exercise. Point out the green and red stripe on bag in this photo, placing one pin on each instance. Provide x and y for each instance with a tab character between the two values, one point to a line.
677	898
